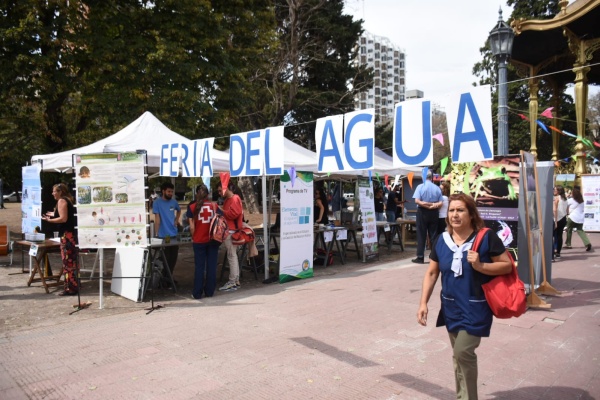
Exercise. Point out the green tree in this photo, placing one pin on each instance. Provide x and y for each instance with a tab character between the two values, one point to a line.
518	92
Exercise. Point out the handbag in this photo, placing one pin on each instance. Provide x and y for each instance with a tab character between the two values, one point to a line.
242	235
505	294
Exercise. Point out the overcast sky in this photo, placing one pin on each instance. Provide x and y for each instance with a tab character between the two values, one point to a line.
441	37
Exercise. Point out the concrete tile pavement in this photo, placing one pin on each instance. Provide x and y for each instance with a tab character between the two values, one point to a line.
347	336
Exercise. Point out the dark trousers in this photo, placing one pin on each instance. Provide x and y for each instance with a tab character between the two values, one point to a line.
558	234
427	225
205	262
171	253
441	226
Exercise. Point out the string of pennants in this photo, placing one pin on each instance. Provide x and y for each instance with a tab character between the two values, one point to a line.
548	114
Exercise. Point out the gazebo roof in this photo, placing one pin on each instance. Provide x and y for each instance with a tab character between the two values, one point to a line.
542	43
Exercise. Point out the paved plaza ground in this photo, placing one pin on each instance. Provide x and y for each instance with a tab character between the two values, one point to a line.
348	333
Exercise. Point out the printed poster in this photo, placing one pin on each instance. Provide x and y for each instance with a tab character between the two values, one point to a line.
31	195
111	201
297	232
369	223
494	185
590	190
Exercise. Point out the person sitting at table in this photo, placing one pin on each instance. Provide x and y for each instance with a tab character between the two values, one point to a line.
64	216
321	208
200	214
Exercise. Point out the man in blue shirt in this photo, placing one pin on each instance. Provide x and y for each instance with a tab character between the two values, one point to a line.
166	221
428	197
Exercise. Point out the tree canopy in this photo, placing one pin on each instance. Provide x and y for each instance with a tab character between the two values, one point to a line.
75	72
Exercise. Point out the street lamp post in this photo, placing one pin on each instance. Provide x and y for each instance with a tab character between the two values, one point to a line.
501	41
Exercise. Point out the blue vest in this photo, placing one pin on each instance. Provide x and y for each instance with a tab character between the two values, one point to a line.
463	303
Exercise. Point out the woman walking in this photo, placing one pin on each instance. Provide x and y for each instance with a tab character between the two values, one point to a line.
575	219
206	250
464	311
64	217
560	218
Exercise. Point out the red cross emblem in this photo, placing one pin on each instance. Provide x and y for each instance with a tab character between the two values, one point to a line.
205	214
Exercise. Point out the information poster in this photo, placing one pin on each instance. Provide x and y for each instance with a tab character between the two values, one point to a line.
590	189
297	232
494	185
31	195
111	203
369	223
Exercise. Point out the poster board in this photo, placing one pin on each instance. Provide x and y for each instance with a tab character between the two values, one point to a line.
297	228
494	185
366	205
111	200
590	190
31	198
128	271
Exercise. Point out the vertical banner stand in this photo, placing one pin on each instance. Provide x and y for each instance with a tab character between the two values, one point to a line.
545	287
533	300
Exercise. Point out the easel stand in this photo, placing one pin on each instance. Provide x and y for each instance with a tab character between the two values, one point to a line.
79	306
153	306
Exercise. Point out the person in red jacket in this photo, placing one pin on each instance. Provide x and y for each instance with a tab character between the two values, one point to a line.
199	215
233	212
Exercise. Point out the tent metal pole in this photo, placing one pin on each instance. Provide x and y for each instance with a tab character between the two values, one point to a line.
266	225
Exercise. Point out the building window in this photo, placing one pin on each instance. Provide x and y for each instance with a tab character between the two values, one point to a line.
401	64
401	98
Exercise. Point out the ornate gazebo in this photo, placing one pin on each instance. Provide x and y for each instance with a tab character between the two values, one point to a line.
562	50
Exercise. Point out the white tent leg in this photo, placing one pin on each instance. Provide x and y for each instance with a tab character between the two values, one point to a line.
266	225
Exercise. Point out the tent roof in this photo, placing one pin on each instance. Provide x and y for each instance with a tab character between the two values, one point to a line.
145	133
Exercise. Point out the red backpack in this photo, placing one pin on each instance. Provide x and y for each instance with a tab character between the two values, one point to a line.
218	229
505	294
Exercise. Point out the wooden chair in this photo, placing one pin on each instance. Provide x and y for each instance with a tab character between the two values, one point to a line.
6	245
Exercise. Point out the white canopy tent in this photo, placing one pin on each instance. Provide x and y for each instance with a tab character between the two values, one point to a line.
145	133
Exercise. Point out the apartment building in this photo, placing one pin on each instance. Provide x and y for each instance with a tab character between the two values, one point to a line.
389	83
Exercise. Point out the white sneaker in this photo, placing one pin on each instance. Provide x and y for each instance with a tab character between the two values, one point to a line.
230	285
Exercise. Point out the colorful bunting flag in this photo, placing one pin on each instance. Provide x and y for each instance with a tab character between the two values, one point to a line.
439	137
523	117
541	124
385	180
424	173
569	134
224	179
370	177
596	144
443	165
547	113
410	176
292	174
555	129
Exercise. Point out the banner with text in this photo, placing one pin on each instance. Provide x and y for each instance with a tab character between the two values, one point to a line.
297	233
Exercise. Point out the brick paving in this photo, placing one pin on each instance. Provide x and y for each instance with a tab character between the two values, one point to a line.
351	334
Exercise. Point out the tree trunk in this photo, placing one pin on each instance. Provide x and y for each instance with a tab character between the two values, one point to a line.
250	198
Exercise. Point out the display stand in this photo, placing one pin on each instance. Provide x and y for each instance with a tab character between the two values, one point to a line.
532	220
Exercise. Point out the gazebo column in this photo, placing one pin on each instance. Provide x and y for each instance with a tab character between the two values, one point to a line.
556	102
533	112
581	100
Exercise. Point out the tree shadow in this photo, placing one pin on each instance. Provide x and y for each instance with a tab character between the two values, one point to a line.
543	392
